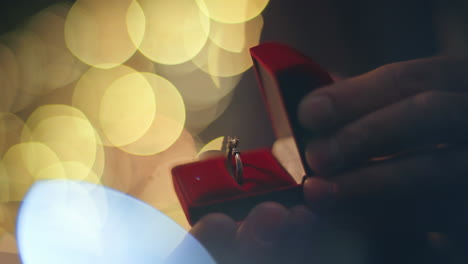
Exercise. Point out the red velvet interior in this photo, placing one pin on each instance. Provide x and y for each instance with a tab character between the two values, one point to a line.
207	181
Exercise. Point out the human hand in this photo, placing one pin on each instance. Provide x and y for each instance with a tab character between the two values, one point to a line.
415	114
273	234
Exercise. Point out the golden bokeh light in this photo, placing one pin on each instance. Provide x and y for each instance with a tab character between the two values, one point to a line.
168	122
237	37
232	11
214	145
9	78
11	129
115	93
175	32
218	61
91	88
68	132
29	51
4	184
71	170
22	162
127	109
48	111
71	138
98	33
61	67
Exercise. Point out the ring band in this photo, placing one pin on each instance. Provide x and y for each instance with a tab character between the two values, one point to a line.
236	170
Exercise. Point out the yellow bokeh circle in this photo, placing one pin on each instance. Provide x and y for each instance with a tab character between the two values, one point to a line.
90	90
217	61
232	11
67	132
22	162
127	109
237	37
176	30
98	31
168	122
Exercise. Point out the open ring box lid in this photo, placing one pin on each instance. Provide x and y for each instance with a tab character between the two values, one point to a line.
284	76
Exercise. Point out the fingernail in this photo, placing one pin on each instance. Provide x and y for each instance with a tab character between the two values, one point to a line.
315	111
319	193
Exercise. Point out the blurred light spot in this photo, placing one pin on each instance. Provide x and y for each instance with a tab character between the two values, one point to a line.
168	122
98	33
4	184
68	132
71	138
232	11
71	170
61	67
91	88
11	127
214	145
9	78
30	53
48	111
237	37
22	162
61	222
176	30
218	61
127	109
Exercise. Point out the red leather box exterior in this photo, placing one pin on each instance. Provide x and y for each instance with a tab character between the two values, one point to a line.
206	186
285	76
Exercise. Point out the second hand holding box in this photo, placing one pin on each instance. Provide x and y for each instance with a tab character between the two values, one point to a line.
284	76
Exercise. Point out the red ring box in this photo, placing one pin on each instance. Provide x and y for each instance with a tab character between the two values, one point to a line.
285	76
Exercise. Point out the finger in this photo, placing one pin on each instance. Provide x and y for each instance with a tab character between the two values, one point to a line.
216	232
318	242
261	233
343	102
426	192
428	118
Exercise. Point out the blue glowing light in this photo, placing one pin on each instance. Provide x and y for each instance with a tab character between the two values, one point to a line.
63	221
